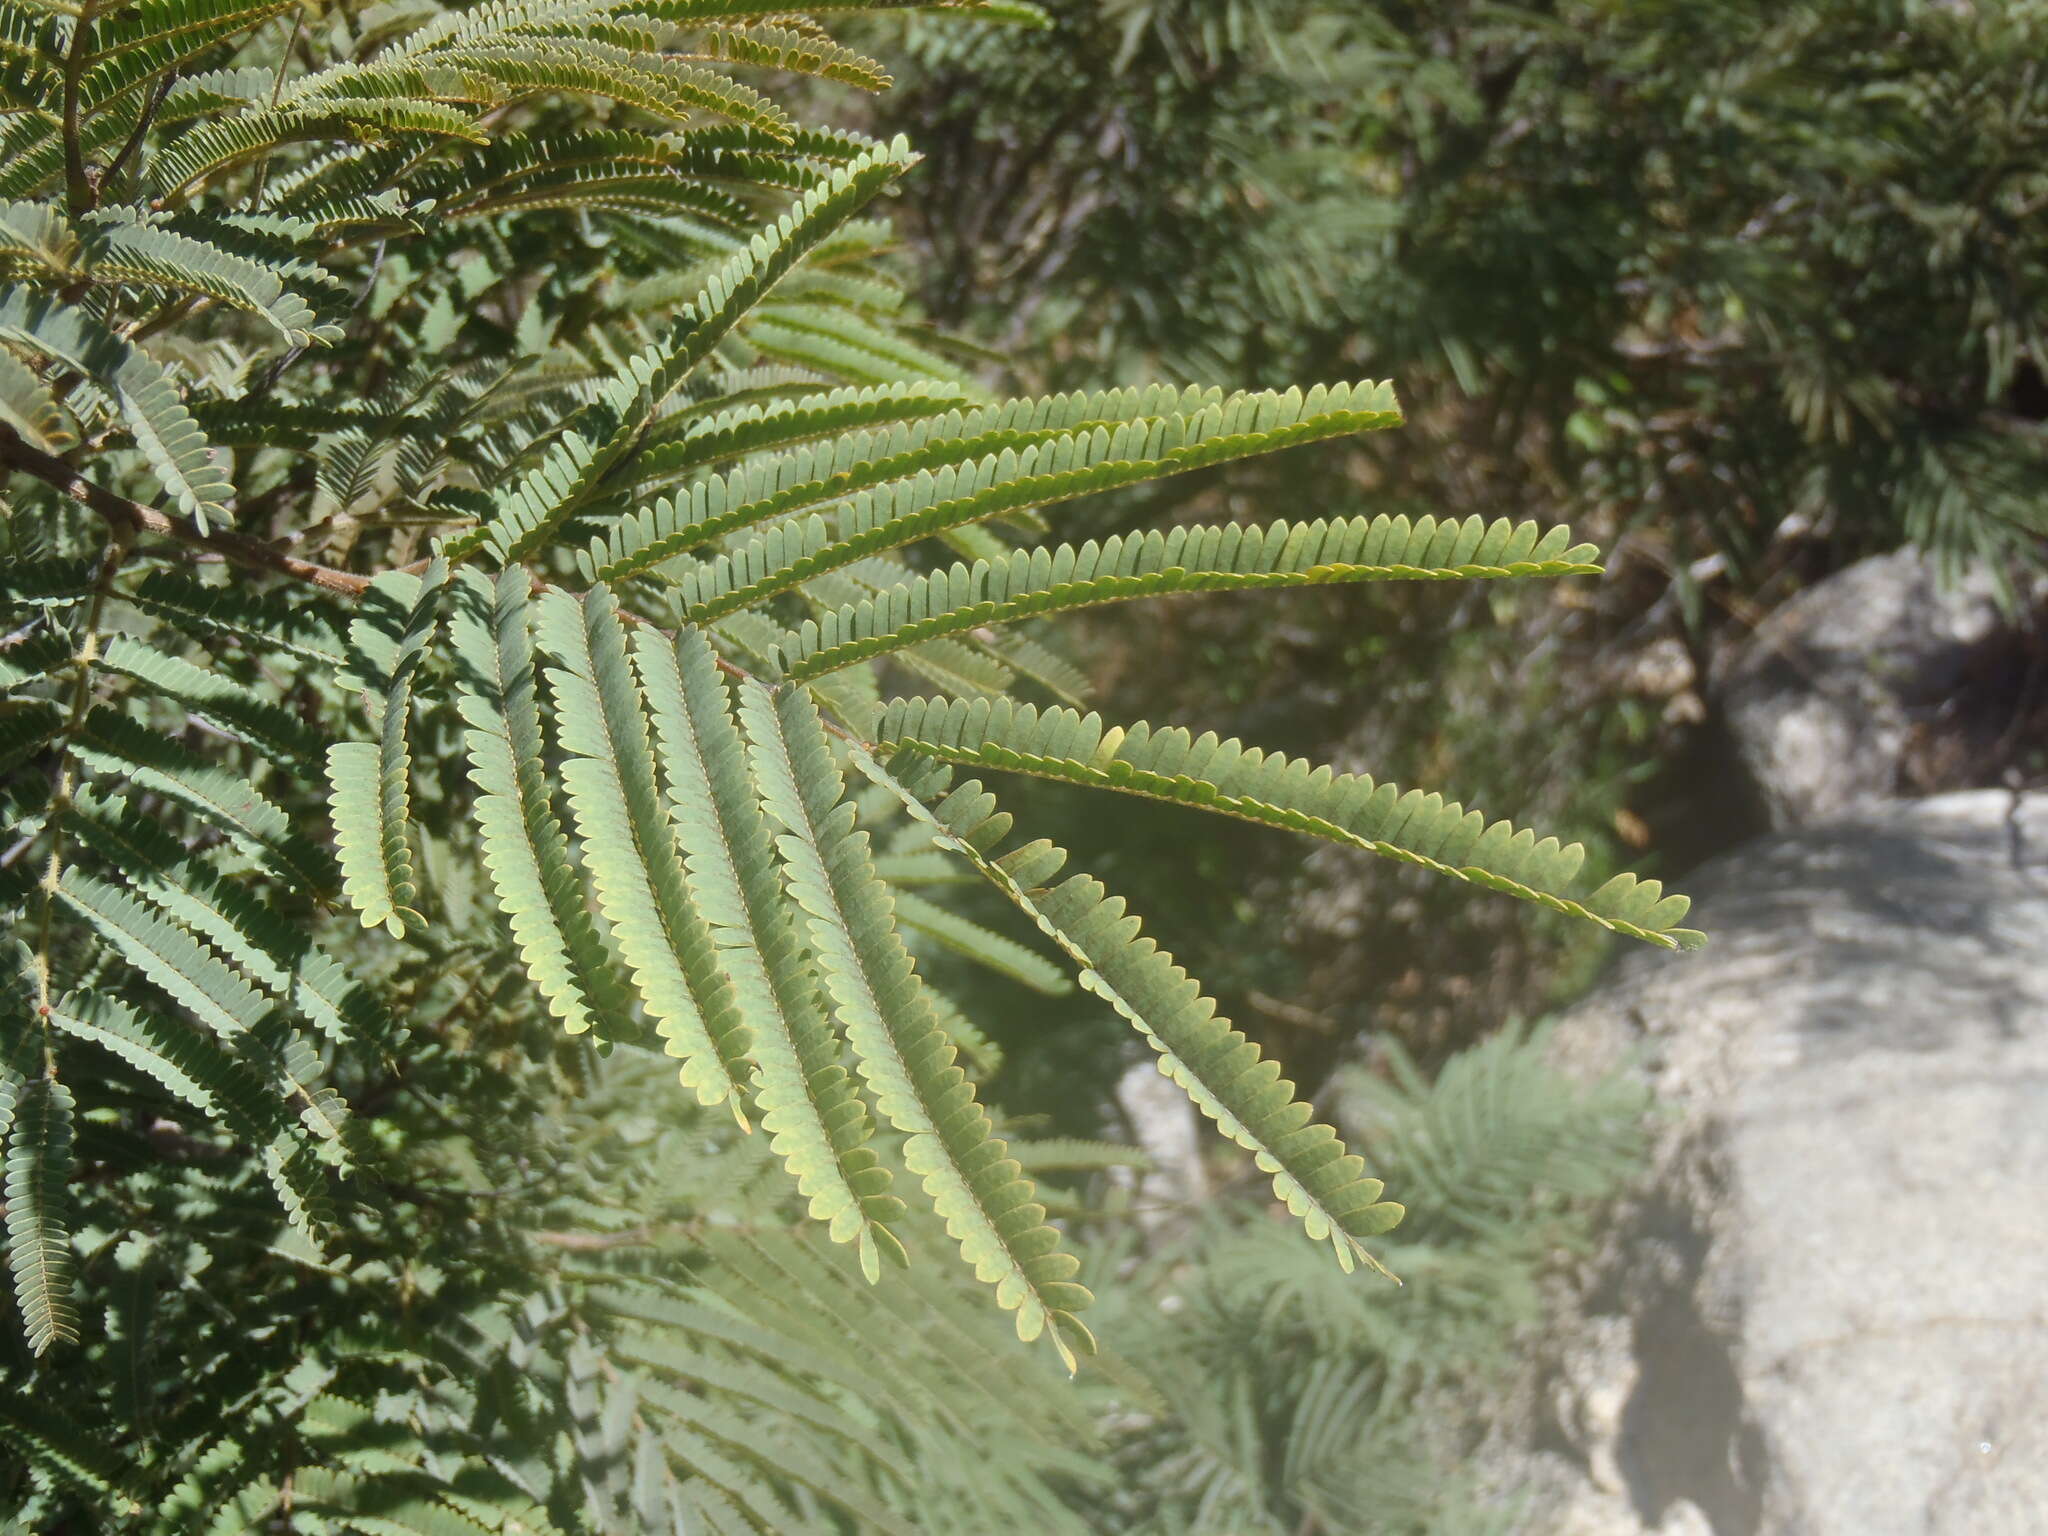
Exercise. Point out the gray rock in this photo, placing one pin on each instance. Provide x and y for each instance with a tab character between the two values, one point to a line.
1824	699
1165	1127
1835	1289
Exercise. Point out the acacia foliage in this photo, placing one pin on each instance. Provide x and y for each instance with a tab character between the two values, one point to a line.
425	487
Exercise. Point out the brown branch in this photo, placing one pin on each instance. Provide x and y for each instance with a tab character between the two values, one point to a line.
122	513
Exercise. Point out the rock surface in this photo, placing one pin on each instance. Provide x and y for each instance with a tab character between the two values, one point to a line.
1828	698
1834	1294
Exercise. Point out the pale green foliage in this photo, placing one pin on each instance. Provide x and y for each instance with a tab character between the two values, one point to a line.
579	476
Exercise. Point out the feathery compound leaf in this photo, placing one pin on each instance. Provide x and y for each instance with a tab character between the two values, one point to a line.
1047	468
1003	955
30	407
240	919
123	248
814	1116
38	1203
631	851
903	1055
115	745
1234	780
155	412
826	471
371	800
217	698
301	625
188	1065
1185	559
524	846
1213	1063
604	433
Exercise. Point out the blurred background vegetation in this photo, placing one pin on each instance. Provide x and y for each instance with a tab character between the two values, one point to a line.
1745	291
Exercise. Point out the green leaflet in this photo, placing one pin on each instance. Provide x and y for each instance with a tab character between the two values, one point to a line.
155	412
371	792
1005	956
137	252
688	439
1235	780
1184	559
137	44
222	998
115	745
631	850
54	1439
904	1057
803	53
524	846
814	1116
1214	1064
216	697
229	141
27	405
820	472
271	950
301	625
38	1140
1058	468
189	1065
604	433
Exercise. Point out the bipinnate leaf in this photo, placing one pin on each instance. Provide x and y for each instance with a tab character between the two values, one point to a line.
1234	780
371	782
904	1057
630	847
1214	1064
524	847
813	1112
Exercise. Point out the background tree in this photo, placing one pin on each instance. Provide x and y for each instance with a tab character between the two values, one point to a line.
1750	290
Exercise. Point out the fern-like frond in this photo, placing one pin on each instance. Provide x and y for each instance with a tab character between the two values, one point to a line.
226	142
135	45
31	408
933	501
49	1436
212	695
1216	1066
1234	557
859	460
371	782
303	625
524	846
38	1141
155	412
814	1116
127	250
801	53
189	1065
1234	780
119	747
689	439
904	1056
188	971
998	953
269	948
631	850
529	515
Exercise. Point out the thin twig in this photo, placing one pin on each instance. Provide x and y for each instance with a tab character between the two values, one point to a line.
121	513
156	101
79	194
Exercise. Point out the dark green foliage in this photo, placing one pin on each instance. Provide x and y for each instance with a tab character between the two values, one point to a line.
1735	262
